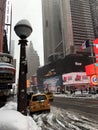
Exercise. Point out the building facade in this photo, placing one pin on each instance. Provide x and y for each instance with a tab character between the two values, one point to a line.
2	21
67	24
94	10
52	35
8	22
32	61
5	22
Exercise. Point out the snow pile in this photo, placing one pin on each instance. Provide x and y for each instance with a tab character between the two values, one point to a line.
57	119
10	119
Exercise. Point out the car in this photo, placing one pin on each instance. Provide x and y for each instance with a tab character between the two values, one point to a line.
39	102
50	96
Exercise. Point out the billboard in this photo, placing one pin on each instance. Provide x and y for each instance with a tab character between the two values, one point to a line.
94	80
91	69
34	80
75	78
28	83
52	83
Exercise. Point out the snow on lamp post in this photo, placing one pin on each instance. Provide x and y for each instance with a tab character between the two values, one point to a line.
23	30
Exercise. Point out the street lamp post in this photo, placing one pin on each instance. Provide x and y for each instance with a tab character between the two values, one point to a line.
22	29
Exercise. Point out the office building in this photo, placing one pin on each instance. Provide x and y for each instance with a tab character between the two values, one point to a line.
67	24
52	35
32	60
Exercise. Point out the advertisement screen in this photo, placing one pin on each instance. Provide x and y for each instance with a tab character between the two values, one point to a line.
75	78
52	83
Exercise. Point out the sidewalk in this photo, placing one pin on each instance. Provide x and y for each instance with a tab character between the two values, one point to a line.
78	94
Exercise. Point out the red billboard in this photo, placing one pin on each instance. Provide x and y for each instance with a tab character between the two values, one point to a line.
91	69
95	47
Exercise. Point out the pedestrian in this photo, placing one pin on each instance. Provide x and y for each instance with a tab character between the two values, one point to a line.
71	92
86	90
89	90
81	91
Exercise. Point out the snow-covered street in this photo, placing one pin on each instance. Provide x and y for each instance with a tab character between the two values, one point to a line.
57	119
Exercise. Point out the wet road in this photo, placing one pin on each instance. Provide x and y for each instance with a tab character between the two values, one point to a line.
86	107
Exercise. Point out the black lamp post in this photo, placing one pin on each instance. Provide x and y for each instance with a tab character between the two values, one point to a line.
23	29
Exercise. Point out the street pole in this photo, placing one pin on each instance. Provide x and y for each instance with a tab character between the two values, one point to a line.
23	29
22	90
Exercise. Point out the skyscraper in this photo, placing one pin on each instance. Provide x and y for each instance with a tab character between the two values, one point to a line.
52	34
32	60
66	25
94	12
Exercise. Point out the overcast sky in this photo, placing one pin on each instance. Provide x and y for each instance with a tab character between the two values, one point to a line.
30	10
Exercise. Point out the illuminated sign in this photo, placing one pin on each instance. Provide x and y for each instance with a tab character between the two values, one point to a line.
5	59
91	69
6	78
93	80
69	77
78	77
78	63
65	79
75	78
52	83
28	83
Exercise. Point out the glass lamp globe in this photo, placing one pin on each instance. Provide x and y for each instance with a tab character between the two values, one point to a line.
23	29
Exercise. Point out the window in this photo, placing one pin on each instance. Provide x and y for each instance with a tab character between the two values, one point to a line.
39	98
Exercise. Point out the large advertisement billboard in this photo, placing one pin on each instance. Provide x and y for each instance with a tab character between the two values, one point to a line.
53	83
34	80
75	78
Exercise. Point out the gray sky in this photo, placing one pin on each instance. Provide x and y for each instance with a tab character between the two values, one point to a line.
30	10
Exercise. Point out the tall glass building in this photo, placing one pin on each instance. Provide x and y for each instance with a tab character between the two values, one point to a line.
33	62
52	34
67	24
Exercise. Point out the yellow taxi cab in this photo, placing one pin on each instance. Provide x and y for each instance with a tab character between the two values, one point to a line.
39	102
50	96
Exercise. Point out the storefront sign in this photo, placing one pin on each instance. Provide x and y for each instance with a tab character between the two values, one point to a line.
75	78
78	63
